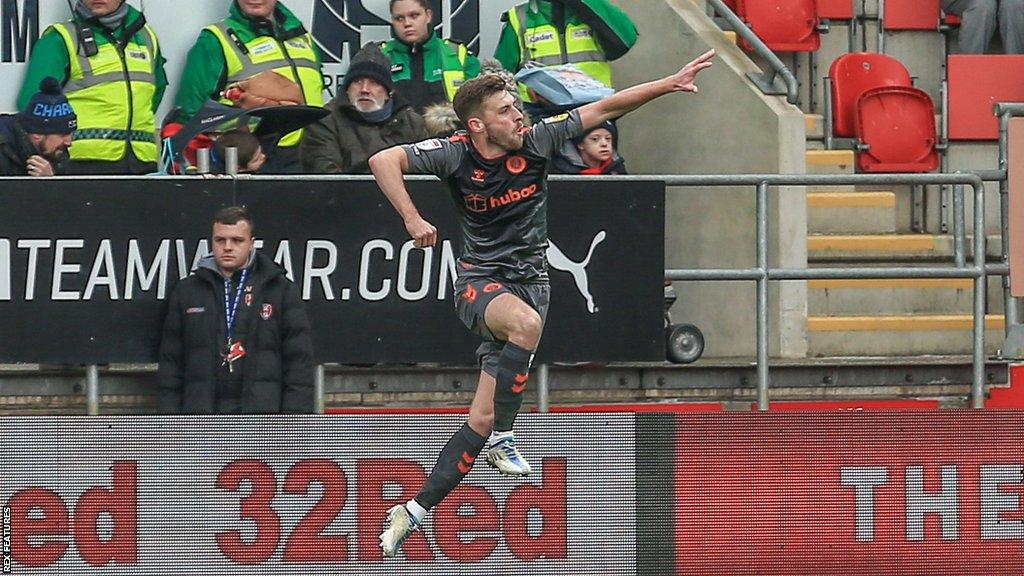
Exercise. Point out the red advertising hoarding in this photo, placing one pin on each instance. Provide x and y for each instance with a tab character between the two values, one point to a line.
850	493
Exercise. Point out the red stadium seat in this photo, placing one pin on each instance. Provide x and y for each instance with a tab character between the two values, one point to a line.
897	126
783	25
853	74
835	9
976	83
911	15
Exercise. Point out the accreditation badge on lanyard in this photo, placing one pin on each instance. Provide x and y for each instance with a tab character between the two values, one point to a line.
234	349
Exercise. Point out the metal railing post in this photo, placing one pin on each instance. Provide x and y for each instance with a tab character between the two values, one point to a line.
92	390
320	377
1010	305
959	227
762	296
543	391
980	280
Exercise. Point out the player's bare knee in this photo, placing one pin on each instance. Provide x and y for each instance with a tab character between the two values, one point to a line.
527	329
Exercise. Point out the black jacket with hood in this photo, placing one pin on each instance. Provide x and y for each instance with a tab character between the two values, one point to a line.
276	374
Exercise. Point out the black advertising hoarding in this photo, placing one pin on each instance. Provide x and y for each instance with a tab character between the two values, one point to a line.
86	267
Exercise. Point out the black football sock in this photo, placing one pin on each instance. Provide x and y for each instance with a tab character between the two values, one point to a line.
513	370
454	462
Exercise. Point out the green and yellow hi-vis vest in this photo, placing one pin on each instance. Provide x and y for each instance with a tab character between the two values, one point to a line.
112	95
544	43
295	59
453	65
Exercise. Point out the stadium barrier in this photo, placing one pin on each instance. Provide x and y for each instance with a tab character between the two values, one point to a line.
613	493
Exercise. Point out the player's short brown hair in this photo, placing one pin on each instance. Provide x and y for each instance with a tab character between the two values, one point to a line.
473	93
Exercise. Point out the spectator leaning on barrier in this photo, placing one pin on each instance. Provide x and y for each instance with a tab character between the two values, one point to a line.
35	141
425	69
257	35
593	153
365	118
236	339
586	33
978	24
109	62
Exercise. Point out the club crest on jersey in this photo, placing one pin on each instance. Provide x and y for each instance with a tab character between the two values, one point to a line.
515	164
266	311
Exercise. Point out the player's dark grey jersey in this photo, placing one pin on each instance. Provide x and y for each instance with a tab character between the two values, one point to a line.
502	202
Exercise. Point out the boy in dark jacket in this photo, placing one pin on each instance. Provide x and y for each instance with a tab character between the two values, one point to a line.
594	153
236	339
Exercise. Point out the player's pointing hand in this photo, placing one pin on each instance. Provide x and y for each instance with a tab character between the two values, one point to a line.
423	233
682	81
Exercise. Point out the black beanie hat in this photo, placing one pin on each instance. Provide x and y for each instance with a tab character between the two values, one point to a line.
371	63
48	112
608	125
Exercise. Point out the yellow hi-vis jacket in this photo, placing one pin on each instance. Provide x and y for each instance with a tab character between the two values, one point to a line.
540	41
112	94
295	59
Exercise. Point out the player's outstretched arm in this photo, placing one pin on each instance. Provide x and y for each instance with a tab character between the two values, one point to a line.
388	166
636	96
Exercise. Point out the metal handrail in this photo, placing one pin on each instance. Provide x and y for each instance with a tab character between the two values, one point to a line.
765	81
763	273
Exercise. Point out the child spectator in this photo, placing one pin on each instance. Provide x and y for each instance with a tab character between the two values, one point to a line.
593	153
250	153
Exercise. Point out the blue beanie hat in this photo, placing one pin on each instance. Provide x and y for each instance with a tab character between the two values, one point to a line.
48	112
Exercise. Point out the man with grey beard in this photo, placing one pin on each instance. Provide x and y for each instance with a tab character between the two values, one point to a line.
367	116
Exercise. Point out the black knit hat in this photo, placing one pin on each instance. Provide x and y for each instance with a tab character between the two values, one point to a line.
48	112
608	125
371	63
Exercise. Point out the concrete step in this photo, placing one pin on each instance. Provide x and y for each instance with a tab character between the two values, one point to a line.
889	248
830	162
890	296
815	127
851	212
899	335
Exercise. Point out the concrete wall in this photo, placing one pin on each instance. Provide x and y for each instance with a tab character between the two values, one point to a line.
728	128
